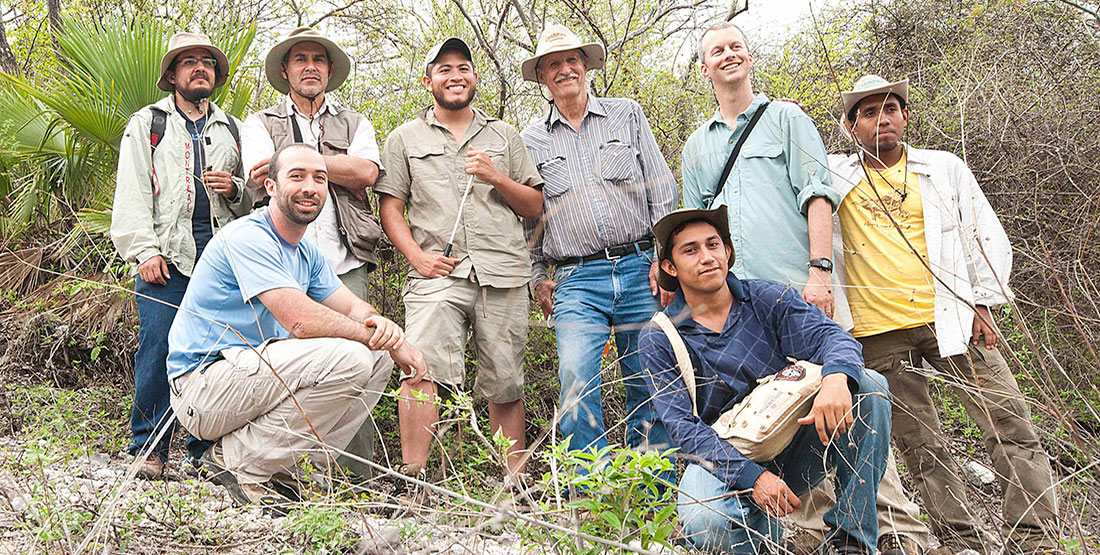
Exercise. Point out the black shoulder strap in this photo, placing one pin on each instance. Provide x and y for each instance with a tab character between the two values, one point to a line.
156	130
234	131
736	151
297	130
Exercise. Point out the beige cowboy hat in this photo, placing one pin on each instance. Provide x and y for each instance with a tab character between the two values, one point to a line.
869	85
186	41
662	232
273	62
557	38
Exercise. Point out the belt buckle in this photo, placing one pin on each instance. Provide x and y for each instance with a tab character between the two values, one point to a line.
607	253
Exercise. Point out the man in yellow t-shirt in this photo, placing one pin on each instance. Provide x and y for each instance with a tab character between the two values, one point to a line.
924	259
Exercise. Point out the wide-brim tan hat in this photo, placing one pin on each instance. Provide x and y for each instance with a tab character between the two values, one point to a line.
186	41
870	85
557	38
662	230
453	43
273	62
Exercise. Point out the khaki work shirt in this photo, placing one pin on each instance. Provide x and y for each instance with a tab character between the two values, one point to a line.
426	168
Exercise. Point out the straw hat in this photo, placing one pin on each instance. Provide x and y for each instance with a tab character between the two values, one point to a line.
662	230
273	62
186	41
557	38
870	85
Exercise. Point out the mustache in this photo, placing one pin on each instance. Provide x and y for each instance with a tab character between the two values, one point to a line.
569	75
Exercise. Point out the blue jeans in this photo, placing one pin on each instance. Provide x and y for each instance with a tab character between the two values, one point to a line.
590	300
735	524
152	410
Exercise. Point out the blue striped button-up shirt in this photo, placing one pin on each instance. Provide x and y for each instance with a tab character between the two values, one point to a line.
782	166
605	184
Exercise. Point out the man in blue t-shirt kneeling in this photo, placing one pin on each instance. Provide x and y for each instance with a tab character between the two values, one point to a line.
236	375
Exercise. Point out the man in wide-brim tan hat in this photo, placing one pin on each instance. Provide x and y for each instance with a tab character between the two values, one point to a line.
606	185
926	263
169	200
307	67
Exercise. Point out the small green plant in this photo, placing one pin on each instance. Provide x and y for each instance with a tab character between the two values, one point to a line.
322	528
621	493
60	424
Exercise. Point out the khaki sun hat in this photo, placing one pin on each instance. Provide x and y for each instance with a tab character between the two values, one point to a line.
662	231
453	43
186	41
869	85
273	62
557	38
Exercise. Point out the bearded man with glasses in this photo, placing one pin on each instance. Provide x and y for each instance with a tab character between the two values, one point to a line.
179	179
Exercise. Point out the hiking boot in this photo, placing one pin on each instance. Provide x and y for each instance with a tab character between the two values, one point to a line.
840	543
899	544
408	493
263	495
801	542
152	468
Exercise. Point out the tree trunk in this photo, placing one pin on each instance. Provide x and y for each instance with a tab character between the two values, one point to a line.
7	58
53	9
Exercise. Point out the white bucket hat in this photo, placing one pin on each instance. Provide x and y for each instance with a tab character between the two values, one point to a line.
557	38
186	41
869	85
273	62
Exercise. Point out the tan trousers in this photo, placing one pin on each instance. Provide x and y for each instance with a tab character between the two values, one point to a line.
362	443
897	513
991	397
240	402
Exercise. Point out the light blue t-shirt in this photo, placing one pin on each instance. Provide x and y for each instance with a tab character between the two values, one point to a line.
244	259
782	166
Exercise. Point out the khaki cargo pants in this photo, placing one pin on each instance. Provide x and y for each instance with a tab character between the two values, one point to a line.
240	401
991	397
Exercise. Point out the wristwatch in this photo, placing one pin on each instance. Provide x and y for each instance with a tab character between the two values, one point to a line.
821	264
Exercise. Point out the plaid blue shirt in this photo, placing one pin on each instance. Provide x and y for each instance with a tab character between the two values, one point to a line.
767	323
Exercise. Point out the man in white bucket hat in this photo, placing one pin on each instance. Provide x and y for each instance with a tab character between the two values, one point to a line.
606	184
307	67
925	258
179	179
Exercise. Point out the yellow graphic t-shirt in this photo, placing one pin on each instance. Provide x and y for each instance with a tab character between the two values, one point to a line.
888	287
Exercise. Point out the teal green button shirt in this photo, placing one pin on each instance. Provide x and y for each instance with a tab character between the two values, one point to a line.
782	166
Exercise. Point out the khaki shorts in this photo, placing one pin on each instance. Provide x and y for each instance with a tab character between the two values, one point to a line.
440	312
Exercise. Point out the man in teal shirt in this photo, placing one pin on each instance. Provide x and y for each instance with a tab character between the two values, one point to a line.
779	193
780	203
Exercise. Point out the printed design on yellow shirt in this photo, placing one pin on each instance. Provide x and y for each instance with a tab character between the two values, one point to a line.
880	209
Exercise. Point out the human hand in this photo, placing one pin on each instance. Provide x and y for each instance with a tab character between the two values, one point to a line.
433	265
773	496
411	361
220	182
258	174
819	291
387	335
480	165
981	328
154	270
544	292
832	410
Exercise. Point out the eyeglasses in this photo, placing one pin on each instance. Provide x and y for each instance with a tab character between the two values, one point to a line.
190	62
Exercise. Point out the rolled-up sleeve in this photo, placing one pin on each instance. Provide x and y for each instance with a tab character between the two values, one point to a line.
687	431
805	333
808	165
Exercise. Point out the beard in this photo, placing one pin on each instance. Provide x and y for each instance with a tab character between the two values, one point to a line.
458	104
195	92
285	203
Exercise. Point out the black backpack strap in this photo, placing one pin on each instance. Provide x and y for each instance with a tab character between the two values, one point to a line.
156	130
297	130
234	130
736	151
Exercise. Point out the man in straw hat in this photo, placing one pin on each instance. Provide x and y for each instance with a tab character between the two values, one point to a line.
606	185
238	378
306	67
464	180
925	259
179	179
737	332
